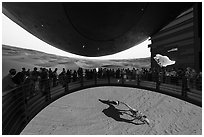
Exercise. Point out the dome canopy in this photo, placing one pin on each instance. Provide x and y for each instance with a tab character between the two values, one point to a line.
93	28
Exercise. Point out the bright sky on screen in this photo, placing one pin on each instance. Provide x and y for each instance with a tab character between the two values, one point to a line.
14	35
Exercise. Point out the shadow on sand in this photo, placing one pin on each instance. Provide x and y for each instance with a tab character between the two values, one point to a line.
115	113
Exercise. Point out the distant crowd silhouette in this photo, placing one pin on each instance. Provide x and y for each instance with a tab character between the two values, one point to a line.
38	80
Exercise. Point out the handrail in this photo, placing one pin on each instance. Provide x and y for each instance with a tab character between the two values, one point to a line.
33	104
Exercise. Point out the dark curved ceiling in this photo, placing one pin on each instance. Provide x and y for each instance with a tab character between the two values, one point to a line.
93	28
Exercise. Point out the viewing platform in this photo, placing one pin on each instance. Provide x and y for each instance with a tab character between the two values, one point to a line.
19	108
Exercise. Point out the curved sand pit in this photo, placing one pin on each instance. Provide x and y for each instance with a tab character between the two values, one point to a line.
82	113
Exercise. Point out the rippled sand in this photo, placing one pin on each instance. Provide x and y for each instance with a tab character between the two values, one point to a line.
81	113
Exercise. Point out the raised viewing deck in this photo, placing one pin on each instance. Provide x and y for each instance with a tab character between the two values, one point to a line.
19	108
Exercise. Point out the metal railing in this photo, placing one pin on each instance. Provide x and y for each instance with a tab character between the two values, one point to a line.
21	104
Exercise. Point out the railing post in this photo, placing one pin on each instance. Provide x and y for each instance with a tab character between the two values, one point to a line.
157	85
109	79
184	87
138	79
48	90
82	81
157	81
95	78
66	86
25	103
122	77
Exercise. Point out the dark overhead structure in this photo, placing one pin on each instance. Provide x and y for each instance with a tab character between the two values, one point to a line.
181	40
93	28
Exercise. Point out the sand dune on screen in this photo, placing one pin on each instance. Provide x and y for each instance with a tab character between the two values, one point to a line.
13	57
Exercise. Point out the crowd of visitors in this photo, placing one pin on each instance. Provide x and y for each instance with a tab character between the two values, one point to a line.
38	80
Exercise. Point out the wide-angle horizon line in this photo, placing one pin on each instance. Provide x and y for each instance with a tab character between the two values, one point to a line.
23	39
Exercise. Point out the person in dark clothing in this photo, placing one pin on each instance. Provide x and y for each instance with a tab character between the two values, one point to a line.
44	80
34	80
68	74
20	77
7	82
74	76
24	71
55	77
50	74
62	77
28	72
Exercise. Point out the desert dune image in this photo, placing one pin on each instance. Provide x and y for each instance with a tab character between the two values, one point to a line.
82	112
13	57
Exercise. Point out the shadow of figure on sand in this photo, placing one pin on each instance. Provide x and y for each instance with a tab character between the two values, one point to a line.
115	113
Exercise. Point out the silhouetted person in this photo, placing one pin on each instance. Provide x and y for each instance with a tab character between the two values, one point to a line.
50	74
44	80
28	72
55	77
7	82
28	86
62	77
74	76
68	74
34	78
24	71
20	77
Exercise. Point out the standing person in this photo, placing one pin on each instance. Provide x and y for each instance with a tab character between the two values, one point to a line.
28	85
55	77
118	73
62	76
68	74
122	75
28	72
44	80
108	75
24	71
34	79
134	74
74	76
7	82
19	77
50	77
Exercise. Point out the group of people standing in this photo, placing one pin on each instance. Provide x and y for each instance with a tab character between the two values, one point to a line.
37	80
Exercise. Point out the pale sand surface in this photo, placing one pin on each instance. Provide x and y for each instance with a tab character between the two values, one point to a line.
81	113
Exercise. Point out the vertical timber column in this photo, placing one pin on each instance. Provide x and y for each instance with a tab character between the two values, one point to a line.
138	80
82	81
197	20
184	87
157	81
25	103
95	77
66	84
48	89
122	78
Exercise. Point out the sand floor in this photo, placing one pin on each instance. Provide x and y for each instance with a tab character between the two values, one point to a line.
81	113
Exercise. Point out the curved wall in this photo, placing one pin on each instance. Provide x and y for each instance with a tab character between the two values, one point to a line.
17	110
81	113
